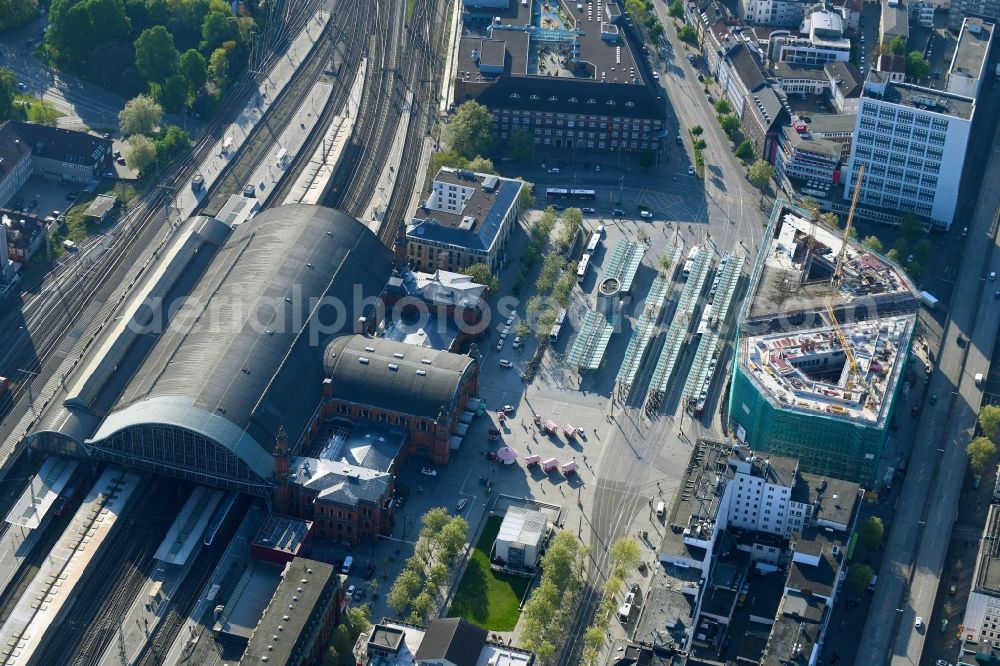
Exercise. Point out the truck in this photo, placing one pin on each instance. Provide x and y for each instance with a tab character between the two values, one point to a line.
928	299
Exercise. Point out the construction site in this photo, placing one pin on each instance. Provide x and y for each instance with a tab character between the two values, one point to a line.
823	342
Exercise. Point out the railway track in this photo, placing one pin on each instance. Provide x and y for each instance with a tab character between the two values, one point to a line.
183	601
114	579
43	329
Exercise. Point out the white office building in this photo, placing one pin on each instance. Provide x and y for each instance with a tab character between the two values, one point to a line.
968	64
820	40
913	141
776	13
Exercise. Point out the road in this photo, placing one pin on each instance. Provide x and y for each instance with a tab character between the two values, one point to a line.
915	552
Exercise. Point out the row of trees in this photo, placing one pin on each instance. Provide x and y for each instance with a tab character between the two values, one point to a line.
170	48
982	449
549	610
555	281
623	556
642	11
727	120
8	88
149	143
17	13
418	587
917	67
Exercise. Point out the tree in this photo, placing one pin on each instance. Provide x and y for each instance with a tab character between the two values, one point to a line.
174	93
625	553
697	130
858	577
572	220
470	130
729	124
917	67
8	88
897	46
141	115
107	62
980	450
156	58
76	27
687	35
422	606
872	243
173	142
194	69
677	10
552	268
521	144
526	199
700	145
16	13
480	164
745	151
761	173
647	158
893	256
989	421
407	585
564	289
141	153
546	321
354	622
911	229
438	574
563	562
217	29
722	107
481	274
452	538
832	220
870	532
523	328
923	250
433	522
218	67
665	264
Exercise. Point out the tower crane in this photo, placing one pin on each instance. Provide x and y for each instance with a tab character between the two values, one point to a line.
838	272
842	338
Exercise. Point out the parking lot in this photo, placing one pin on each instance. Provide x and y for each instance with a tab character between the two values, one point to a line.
46	197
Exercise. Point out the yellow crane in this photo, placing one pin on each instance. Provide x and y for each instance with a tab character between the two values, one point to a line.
838	272
842	338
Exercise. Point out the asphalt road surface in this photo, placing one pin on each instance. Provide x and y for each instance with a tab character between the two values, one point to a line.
915	551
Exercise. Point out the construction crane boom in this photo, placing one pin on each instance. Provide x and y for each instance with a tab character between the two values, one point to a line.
842	338
838	272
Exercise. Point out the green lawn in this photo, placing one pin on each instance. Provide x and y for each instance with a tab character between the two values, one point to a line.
36	110
484	597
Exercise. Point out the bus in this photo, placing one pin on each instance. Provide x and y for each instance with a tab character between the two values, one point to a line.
563	193
556	193
690	260
557	326
595	242
581	269
219	517
587	195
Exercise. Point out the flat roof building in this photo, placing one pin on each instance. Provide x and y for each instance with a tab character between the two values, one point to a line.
982	610
913	141
296	625
519	543
969	62
819	363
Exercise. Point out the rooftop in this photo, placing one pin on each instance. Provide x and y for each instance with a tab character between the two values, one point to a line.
302	586
846	76
341	483
283	533
522	525
667	612
393	643
819	578
988	562
824	123
245	606
442	288
791	642
972	50
475	222
834	500
787	70
888	62
918	97
101	206
395	376
895	21
364	444
452	639
799	359
584	45
693	511
804	141
62	145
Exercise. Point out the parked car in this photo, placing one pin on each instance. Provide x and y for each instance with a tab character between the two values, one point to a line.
504	363
461	504
645	214
508	410
359	594
429	471
918	623
690	170
120	160
350	591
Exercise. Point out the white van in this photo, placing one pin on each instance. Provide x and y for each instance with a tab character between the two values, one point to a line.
661	509
348	561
